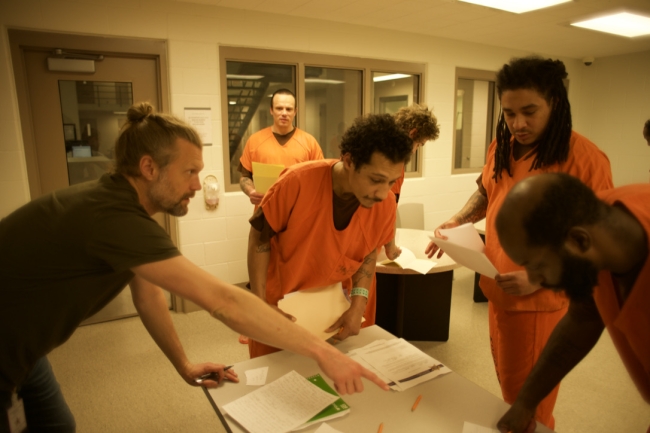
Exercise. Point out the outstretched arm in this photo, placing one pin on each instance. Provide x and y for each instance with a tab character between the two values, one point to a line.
249	315
151	304
574	336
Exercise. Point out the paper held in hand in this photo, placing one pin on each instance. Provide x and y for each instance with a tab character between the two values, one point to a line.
407	260
316	309
464	245
265	175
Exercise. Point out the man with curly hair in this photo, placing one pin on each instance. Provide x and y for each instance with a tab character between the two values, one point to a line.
322	222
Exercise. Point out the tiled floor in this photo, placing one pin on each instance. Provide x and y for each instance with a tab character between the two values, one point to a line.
116	380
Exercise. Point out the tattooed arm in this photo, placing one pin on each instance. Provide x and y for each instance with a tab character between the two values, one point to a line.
473	211
350	322
248	187
259	255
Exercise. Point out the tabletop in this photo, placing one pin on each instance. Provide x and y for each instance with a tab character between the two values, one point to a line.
447	401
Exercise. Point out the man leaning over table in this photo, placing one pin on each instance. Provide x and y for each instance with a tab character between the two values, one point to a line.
322	222
65	255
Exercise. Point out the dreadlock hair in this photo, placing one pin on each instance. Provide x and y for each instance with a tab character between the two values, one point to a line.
545	76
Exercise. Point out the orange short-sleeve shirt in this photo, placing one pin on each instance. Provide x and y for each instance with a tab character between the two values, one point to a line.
586	162
308	251
263	147
629	324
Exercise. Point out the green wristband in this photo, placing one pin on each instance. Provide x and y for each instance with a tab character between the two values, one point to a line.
359	291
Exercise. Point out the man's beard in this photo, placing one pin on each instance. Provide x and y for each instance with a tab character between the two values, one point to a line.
160	195
579	277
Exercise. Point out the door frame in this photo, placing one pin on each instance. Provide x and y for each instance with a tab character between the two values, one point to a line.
88	44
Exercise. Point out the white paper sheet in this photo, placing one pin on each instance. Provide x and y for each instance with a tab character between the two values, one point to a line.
407	260
401	362
257	376
464	245
316	309
280	406
326	428
468	427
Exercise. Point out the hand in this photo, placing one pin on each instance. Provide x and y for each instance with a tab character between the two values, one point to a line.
256	197
392	250
515	283
432	247
518	419
350	322
192	372
347	373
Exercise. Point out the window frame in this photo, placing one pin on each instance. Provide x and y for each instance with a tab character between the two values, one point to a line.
473	74
300	60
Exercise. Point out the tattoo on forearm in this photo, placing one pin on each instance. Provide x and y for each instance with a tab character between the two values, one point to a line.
245	182
264	248
363	272
474	210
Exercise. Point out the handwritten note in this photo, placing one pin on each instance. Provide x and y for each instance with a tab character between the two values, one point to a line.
280	406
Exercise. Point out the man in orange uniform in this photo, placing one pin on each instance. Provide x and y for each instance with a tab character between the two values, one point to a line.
534	136
421	125
281	143
571	239
322	222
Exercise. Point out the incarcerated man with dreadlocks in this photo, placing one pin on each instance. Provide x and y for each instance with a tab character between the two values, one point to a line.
534	136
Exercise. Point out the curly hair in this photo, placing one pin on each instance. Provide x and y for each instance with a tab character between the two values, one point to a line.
149	133
420	118
376	133
544	76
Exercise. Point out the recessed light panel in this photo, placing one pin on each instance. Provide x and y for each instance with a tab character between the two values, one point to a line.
622	24
517	6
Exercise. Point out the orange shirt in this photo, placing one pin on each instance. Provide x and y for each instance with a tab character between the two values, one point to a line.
586	162
307	250
629	325
263	147
397	186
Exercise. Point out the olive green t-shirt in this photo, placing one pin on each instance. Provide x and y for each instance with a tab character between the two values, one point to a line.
63	257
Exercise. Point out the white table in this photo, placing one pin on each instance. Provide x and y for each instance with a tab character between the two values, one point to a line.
447	401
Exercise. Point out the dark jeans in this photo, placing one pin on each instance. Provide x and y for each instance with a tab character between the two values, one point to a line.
45	408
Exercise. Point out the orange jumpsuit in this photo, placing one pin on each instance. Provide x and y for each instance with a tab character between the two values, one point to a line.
521	325
307	250
629	323
263	147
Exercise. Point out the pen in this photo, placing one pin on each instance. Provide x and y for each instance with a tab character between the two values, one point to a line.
417	401
211	376
381	428
415	376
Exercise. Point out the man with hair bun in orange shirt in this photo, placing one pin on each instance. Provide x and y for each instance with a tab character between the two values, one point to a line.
322	222
594	248
534	135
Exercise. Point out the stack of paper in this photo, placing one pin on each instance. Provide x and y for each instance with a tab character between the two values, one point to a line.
281	406
398	363
407	260
464	245
316	309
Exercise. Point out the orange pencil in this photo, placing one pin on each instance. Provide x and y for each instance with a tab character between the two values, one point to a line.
381	428
417	401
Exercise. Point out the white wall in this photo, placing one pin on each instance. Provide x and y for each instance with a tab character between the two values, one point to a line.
217	240
614	98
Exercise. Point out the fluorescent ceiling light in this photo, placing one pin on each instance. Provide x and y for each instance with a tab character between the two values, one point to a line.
517	6
232	103
244	77
323	81
389	77
622	24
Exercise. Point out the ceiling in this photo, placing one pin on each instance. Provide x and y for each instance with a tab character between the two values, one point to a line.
545	31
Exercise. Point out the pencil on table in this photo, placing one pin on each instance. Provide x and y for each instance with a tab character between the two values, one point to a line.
381	428
417	401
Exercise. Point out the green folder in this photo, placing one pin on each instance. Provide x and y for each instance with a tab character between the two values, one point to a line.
334	410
